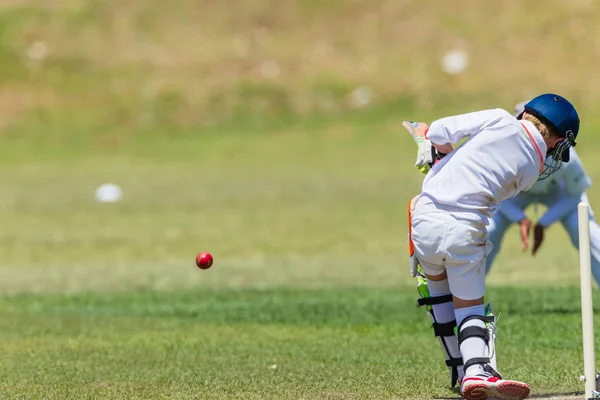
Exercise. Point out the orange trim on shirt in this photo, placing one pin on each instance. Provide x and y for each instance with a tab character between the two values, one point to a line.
537	148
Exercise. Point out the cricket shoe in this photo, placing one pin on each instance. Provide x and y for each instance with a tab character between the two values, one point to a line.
487	386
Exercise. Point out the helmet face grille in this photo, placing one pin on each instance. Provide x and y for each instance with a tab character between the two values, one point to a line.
555	158
551	165
561	150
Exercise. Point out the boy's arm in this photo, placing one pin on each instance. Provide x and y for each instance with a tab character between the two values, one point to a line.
511	210
428	153
560	209
452	129
557	211
443	149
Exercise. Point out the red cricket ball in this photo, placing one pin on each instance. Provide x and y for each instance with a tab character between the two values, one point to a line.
204	260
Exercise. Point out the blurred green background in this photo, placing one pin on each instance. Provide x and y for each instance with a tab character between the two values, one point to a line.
269	134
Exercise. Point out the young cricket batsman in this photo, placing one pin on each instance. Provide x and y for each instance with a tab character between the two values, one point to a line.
502	156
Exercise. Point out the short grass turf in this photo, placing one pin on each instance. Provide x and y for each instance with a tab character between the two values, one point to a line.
299	195
280	344
309	296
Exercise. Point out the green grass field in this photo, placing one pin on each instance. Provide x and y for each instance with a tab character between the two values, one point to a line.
274	343
300	198
309	297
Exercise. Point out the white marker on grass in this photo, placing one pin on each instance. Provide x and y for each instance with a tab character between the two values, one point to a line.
360	97
270	69
108	193
37	51
455	62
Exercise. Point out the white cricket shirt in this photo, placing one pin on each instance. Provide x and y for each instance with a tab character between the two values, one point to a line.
501	157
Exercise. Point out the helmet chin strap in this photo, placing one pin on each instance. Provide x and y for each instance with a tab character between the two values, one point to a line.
570	138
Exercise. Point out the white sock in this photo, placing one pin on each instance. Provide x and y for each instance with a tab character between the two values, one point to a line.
473	347
443	312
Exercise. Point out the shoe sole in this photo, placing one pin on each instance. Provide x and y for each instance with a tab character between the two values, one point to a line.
505	390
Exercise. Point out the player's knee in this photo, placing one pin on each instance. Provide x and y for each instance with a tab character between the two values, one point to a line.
462	303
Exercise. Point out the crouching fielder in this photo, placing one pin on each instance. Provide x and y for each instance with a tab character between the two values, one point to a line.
502	156
561	194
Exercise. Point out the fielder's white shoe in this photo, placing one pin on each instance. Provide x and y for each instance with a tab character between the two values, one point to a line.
482	387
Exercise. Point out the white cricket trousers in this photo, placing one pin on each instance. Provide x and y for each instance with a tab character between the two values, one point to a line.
444	240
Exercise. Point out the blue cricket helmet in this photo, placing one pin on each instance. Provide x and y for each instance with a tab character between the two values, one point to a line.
559	113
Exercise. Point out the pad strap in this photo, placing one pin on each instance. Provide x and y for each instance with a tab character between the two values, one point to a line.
484	318
445	329
473	331
431	301
477	360
454	362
